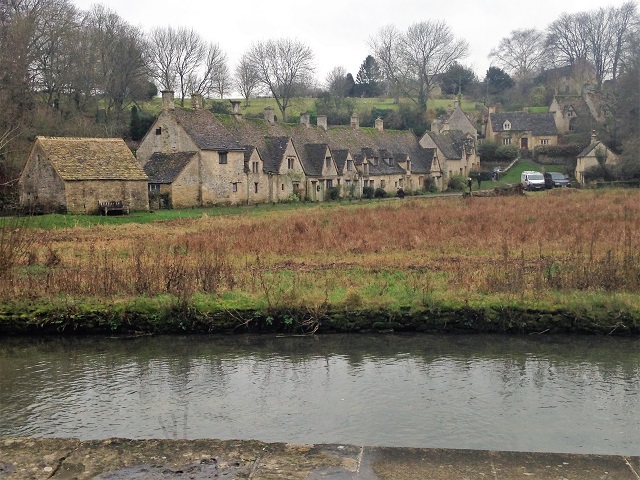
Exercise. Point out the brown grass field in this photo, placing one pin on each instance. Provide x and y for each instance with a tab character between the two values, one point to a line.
564	247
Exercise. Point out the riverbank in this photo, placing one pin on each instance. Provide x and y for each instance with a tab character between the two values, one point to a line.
37	458
605	318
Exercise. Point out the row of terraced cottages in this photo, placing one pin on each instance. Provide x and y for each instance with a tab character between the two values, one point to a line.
191	157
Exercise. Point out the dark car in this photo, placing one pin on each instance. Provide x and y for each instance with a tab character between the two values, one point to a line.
555	179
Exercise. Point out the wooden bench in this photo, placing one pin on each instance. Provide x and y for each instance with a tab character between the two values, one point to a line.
113	207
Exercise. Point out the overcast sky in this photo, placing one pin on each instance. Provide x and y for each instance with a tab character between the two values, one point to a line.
338	31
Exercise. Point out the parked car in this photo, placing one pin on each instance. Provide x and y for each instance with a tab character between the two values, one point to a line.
555	179
531	180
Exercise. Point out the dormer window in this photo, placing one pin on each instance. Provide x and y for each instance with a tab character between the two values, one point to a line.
506	125
159	131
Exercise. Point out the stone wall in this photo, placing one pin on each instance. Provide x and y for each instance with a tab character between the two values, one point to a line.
40	185
84	196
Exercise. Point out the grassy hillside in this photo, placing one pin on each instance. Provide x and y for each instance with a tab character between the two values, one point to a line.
301	105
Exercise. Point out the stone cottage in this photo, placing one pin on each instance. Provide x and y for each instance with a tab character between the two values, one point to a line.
76	174
525	130
597	153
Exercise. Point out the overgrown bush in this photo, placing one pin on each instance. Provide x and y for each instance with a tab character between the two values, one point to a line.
430	185
487	151
457	183
380	193
568	150
367	192
333	193
506	153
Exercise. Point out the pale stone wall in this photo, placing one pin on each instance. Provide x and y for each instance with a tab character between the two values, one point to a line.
165	136
84	196
283	184
257	183
185	190
39	183
223	183
591	160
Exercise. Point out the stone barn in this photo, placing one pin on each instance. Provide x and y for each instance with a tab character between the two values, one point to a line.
76	175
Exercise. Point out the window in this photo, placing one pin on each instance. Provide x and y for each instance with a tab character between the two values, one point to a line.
327	162
349	165
506	125
544	141
255	167
222	158
347	183
290	163
154	187
570	113
329	183
159	131
382	183
255	187
282	187
371	183
506	141
235	186
571	127
400	182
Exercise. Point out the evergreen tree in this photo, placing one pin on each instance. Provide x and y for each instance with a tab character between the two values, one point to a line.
368	78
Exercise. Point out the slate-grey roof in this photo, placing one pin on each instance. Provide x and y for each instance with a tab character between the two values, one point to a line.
206	130
575	102
165	167
537	123
261	134
340	157
312	156
91	158
450	143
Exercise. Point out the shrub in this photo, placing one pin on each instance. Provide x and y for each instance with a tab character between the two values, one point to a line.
487	151
457	182
568	150
333	193
380	193
430	185
506	153
367	192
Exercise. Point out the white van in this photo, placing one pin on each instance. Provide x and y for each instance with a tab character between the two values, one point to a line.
531	180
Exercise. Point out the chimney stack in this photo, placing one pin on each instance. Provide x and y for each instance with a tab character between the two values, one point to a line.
355	122
196	101
304	119
594	139
167	100
322	121
269	115
235	108
379	124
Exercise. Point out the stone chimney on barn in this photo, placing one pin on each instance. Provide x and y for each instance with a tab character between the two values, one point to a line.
322	121
355	122
379	124
167	100
196	101
594	138
235	109
304	119
269	115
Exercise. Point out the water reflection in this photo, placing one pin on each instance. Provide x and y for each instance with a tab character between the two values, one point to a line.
562	394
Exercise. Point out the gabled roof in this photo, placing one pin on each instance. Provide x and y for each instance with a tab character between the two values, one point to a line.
206	130
340	157
450	143
274	150
536	123
576	102
312	156
165	167
91	158
592	146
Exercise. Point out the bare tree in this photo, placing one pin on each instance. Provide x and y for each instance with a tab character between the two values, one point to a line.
119	55
181	60
566	39
410	61
246	79
522	53
386	46
337	82
283	67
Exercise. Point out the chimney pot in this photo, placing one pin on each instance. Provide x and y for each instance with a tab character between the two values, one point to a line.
304	119
196	101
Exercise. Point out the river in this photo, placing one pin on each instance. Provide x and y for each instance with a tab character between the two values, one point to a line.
535	393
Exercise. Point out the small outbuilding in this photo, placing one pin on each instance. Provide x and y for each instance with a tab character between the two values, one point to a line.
597	153
77	175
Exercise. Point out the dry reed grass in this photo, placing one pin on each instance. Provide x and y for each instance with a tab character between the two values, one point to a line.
402	252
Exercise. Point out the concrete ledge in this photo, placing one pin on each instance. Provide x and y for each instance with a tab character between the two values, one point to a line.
35	458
